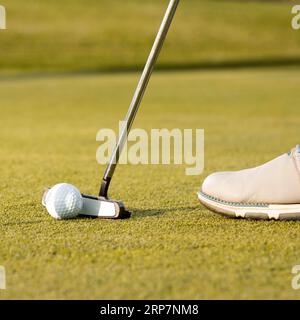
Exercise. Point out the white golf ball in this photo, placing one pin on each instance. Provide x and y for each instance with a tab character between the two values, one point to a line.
64	201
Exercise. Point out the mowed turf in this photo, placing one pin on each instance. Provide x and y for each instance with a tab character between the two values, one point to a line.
172	248
117	34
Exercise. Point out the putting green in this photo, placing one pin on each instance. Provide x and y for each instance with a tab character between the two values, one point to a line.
117	35
172	247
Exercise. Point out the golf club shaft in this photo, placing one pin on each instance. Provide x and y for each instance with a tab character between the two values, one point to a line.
138	96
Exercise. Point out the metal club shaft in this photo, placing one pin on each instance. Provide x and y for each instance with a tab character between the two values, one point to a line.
138	95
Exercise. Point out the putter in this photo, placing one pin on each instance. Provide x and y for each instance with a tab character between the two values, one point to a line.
101	206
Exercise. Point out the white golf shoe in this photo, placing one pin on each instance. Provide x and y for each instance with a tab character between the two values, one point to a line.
270	191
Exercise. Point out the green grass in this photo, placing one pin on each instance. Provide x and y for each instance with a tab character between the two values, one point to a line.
172	247
115	34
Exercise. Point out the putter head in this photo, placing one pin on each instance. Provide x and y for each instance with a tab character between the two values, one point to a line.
98	207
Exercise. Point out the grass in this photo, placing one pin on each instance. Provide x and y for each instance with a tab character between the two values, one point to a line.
116	35
172	247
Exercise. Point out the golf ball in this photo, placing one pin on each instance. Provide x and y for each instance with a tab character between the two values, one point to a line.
64	201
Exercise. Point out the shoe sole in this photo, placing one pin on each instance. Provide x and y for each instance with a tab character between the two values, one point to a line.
255	211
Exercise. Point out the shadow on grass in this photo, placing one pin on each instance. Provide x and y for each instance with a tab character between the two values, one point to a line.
204	65
145	213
